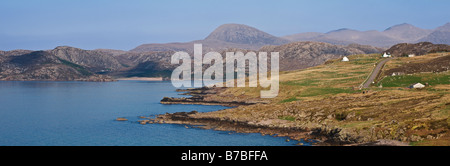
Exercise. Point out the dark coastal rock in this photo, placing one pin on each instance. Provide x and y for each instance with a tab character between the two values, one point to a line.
190	118
121	119
325	135
198	97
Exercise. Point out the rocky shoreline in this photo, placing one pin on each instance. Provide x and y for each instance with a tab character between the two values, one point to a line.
199	96
188	118
325	135
199	101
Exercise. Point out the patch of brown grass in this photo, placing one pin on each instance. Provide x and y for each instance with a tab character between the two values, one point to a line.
323	96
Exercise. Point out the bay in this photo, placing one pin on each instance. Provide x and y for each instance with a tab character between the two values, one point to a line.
40	113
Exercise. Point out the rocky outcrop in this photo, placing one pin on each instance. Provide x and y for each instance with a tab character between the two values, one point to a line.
95	60
121	119
189	118
43	65
325	135
200	101
422	48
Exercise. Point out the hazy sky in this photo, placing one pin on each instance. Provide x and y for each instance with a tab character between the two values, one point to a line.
125	24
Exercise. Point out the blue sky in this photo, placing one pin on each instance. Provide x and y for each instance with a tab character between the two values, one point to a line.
125	24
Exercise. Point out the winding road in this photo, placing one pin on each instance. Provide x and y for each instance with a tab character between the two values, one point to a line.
375	73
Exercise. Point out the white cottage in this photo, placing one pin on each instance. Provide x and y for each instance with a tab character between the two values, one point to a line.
345	59
417	86
386	55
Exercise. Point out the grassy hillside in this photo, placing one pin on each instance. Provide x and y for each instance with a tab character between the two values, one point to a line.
327	97
431	69
335	77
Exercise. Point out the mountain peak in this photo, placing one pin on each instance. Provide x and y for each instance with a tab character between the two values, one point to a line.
243	34
440	35
406	32
233	25
401	27
66	48
342	30
445	27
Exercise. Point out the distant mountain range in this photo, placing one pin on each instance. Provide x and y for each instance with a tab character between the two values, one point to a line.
246	37
297	51
403	33
440	35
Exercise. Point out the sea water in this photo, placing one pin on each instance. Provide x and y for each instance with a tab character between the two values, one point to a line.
44	113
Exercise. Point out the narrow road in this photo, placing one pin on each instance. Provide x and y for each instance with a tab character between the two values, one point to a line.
375	73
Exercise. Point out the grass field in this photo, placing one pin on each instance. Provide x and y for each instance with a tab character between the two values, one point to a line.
406	80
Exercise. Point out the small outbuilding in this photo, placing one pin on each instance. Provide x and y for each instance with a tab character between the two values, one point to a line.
417	86
387	55
345	59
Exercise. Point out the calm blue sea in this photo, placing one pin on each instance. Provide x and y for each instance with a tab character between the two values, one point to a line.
84	113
